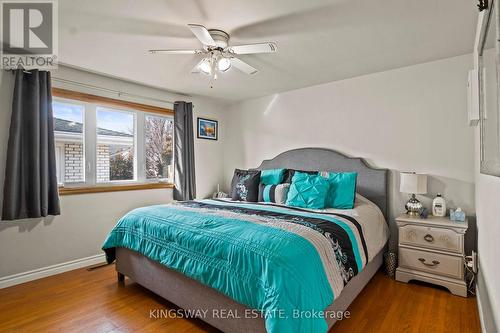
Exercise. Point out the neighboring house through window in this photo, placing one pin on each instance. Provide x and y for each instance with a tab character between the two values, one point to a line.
112	146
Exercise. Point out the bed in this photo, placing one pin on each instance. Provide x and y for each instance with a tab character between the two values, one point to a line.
202	280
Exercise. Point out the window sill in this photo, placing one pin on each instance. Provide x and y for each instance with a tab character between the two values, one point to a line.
112	188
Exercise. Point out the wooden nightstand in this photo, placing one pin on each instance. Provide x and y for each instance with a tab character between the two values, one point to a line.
432	250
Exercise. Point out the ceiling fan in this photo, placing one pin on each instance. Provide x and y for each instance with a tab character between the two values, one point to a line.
219	56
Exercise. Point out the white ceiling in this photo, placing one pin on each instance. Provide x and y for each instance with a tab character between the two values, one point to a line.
318	40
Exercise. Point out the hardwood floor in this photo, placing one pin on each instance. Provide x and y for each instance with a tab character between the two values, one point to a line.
92	301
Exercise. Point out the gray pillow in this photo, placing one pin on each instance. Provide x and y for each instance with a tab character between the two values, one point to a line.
273	193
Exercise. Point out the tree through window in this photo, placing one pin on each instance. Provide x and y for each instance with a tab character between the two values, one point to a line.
158	147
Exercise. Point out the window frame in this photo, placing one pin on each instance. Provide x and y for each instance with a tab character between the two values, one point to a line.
140	112
59	152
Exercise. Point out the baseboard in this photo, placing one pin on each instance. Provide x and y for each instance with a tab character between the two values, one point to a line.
486	313
12	280
480	310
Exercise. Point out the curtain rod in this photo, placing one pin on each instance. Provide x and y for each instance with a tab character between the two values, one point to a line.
119	93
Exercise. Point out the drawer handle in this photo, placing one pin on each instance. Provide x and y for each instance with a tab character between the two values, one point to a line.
434	262
429	238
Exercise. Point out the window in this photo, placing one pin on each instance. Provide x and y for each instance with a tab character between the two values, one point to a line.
103	143
68	135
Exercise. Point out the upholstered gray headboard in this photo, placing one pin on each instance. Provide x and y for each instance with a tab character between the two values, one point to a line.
372	182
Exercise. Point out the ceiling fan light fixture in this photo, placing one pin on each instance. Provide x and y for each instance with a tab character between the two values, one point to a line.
223	64
205	67
218	55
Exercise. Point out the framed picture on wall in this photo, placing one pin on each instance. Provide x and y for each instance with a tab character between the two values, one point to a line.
208	129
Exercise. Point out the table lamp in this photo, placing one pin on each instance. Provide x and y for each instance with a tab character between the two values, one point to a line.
413	183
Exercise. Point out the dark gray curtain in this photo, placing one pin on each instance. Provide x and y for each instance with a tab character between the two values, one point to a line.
30	188
185	185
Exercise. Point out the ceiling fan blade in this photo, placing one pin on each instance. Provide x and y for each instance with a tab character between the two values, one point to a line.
175	51
243	66
202	34
253	48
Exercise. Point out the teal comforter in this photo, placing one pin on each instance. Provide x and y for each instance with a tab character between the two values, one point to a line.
269	258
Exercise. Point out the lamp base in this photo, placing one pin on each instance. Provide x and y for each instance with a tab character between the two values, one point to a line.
410	213
413	206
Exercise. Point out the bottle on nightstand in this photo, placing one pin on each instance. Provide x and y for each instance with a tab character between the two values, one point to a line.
439	206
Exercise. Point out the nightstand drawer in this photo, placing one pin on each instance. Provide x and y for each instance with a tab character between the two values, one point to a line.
436	263
432	238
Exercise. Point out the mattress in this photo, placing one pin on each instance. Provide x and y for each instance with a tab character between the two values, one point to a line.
273	258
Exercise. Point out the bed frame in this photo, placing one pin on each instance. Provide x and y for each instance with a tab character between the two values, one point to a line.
190	294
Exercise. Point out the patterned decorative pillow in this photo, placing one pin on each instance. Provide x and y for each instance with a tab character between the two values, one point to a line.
272	176
273	193
289	173
245	185
342	192
308	191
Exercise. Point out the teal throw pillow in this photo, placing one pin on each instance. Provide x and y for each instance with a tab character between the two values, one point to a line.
342	192
307	191
272	176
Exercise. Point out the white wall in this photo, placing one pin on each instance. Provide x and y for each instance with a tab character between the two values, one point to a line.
488	227
86	219
408	119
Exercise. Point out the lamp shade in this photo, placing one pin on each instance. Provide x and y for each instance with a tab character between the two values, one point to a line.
413	183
